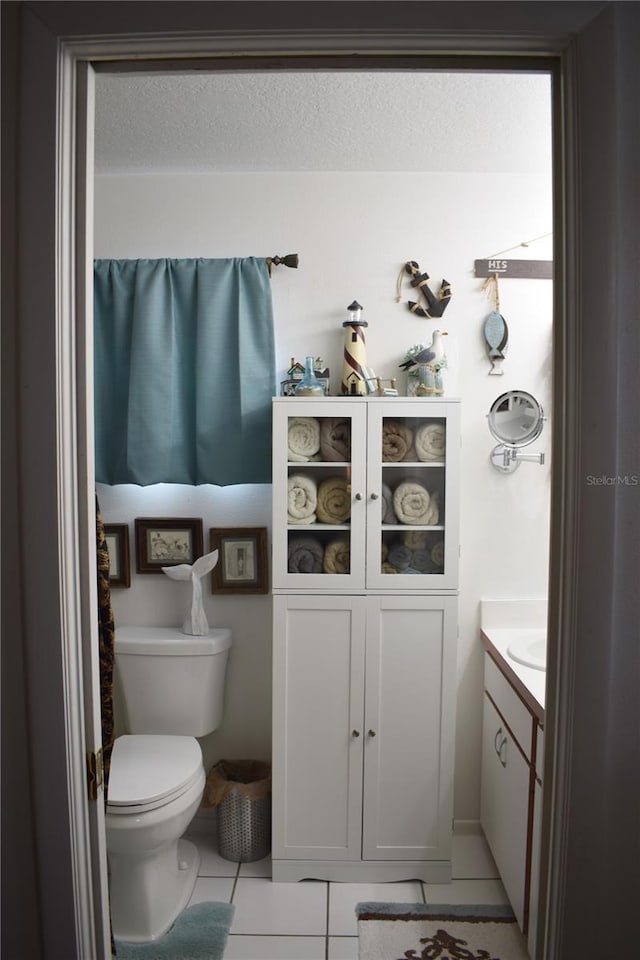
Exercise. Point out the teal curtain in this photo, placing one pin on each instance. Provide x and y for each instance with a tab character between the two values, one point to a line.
184	371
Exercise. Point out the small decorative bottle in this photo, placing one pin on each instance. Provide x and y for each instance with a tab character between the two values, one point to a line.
309	386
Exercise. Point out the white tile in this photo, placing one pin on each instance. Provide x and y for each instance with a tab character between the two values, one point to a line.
471	858
343	948
240	947
211	863
264	907
257	868
212	888
466	891
343	898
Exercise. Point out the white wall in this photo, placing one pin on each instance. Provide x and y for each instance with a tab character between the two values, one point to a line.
353	232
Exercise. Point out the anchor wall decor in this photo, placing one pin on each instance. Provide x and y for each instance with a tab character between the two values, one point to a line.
435	304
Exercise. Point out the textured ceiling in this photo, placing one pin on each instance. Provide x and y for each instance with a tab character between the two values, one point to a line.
323	121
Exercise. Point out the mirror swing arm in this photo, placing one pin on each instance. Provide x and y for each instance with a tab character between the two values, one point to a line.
515	419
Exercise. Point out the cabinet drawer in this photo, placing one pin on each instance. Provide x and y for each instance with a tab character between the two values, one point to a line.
515	713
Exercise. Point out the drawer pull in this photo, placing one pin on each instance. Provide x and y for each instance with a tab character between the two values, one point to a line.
495	740
502	747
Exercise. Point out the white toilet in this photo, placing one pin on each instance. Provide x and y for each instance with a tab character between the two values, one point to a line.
173	691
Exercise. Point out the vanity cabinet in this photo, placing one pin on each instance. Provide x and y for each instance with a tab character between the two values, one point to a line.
364	639
511	792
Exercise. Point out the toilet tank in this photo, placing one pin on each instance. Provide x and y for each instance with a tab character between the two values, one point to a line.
171	682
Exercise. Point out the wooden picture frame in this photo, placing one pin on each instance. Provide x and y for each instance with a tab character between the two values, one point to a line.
117	537
242	565
166	542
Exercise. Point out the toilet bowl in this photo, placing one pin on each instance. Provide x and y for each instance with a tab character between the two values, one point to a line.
155	788
157	779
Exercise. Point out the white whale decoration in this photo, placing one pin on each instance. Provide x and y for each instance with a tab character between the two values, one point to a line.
195	623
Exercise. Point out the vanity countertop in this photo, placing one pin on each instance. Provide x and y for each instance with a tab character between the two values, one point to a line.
527	681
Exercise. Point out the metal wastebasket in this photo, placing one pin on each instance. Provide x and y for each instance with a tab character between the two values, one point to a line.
241	791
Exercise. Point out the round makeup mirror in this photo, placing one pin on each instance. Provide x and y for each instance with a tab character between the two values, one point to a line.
515	419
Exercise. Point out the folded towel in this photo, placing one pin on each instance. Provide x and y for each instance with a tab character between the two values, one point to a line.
302	498
305	555
389	568
413	504
397	441
303	438
334	501
335	438
399	556
415	539
337	556
388	515
437	553
430	442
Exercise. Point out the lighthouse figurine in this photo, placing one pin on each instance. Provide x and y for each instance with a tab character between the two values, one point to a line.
354	374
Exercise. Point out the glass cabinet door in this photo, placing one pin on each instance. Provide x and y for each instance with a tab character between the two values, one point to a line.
319	458
412	509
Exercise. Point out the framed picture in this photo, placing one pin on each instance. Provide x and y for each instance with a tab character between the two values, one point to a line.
117	536
165	542
242	566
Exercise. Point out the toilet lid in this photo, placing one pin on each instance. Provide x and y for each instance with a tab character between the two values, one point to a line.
148	768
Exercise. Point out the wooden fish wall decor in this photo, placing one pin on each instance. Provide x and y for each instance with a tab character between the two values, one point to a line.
435	305
496	331
496	334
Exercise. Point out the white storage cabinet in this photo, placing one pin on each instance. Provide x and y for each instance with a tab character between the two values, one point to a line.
364	658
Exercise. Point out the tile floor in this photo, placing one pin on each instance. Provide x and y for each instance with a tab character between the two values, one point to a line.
313	919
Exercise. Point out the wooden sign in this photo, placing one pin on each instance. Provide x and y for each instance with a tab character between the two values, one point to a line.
522	269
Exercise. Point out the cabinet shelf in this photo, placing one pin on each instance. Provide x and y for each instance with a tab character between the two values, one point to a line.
316	527
394	465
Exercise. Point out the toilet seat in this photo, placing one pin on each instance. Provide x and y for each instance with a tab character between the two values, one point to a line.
149	771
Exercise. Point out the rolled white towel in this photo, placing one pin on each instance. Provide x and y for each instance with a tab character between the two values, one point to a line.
430	442
302	498
303	438
413	504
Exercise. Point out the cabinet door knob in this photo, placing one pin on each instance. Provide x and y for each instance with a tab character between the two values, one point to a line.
372	733
358	496
374	496
355	733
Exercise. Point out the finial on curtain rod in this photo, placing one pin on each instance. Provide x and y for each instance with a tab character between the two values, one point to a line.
291	260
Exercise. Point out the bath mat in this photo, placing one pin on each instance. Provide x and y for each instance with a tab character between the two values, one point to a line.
199	933
416	931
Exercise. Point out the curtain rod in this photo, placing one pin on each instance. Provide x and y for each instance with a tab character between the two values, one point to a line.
291	260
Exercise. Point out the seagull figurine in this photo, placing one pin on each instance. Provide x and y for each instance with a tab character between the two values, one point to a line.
434	353
195	624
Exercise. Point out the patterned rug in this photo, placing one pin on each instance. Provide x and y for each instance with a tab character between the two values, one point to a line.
415	931
199	933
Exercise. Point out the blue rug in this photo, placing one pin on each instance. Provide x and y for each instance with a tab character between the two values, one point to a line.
199	933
